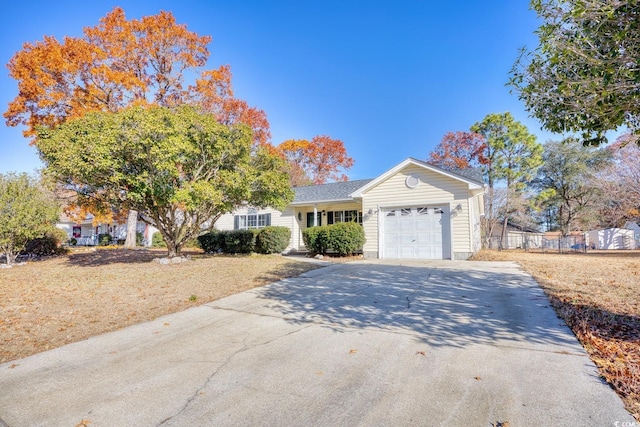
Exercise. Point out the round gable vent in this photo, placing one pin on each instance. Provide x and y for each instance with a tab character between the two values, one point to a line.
412	181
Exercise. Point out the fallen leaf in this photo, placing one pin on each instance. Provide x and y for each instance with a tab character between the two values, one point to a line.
353	351
13	366
477	378
166	324
83	423
421	353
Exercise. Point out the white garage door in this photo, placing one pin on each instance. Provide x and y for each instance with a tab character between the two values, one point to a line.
413	233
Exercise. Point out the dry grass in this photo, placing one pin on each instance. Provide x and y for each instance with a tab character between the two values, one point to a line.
598	296
49	303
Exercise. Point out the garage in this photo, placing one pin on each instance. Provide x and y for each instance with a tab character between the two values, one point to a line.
413	233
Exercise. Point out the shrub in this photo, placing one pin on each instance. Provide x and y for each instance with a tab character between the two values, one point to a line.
240	241
273	239
105	239
157	241
316	239
192	243
212	242
345	238
49	244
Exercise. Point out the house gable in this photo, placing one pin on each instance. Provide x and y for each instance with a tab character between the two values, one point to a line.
472	184
413	186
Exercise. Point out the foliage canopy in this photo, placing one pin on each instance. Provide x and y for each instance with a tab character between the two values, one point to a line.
178	167
27	211
584	74
459	150
566	182
316	161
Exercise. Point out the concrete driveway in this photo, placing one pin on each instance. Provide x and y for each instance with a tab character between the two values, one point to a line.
430	343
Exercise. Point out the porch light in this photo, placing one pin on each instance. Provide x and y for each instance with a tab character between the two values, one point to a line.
299	216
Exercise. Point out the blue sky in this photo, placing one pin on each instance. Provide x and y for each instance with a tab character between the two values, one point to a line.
388	78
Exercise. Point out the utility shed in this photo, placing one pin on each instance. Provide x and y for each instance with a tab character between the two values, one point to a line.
611	238
631	225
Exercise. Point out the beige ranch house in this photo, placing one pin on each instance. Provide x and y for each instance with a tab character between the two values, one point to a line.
413	211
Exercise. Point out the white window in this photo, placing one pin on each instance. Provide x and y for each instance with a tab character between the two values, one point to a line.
334	217
251	220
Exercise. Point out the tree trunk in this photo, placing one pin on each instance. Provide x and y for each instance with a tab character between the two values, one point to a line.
132	223
504	241
172	250
10	257
489	214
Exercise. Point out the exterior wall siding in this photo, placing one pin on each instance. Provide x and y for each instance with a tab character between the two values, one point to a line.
433	189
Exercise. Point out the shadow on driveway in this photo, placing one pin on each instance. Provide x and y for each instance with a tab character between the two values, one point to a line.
451	305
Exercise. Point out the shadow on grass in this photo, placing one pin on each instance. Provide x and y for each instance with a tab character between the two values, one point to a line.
291	269
106	256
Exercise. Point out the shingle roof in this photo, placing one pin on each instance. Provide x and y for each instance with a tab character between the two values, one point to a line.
328	192
473	174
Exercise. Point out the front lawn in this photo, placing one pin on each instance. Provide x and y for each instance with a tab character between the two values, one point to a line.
49	303
598	296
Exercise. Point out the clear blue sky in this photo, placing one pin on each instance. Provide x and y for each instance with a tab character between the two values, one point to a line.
388	78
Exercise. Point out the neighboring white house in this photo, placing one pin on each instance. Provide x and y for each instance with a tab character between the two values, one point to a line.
518	237
413	211
611	238
636	232
86	233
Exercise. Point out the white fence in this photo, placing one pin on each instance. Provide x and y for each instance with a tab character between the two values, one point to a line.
517	240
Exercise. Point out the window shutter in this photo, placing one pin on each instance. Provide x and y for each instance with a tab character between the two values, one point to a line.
267	221
236	222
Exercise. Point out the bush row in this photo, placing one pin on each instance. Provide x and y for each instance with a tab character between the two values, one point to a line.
344	238
268	240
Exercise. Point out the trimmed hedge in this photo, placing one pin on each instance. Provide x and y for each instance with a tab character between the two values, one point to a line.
240	241
212	242
268	240
344	238
316	239
272	239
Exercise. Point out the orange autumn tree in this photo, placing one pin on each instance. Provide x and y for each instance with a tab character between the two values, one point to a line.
317	161
213	92
117	64
459	150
